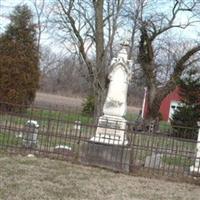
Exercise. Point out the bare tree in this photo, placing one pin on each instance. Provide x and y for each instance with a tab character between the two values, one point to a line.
132	13
89	30
42	17
90	25
59	75
152	29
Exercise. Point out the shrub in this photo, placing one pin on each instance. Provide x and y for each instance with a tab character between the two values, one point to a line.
88	105
188	114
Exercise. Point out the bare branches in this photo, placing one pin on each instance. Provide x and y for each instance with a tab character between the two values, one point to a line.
153	28
113	14
88	19
133	10
161	22
180	65
68	17
93	25
41	25
39	12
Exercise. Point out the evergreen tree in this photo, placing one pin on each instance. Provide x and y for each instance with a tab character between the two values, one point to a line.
188	114
19	71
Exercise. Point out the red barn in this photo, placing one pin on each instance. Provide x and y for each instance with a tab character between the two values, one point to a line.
168	105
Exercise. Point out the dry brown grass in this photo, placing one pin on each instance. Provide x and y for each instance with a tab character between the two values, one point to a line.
43	99
23	178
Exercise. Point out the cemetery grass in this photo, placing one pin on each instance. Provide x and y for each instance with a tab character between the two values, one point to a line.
48	143
25	178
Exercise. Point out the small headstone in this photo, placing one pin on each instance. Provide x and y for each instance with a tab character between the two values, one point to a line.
196	167
154	161
30	133
77	125
19	135
63	149
30	156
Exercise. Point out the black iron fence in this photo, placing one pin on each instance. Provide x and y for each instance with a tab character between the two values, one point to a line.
68	135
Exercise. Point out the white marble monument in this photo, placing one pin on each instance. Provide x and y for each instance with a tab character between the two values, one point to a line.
112	125
196	167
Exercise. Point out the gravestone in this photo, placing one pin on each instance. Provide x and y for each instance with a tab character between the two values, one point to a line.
30	133
108	148
196	167
154	161
112	125
77	125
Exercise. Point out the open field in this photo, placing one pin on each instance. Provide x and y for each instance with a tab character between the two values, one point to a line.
44	99
51	99
25	178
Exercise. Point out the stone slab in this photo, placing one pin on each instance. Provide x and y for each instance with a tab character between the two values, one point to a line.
113	157
154	161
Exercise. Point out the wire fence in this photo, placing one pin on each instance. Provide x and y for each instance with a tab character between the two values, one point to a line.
67	135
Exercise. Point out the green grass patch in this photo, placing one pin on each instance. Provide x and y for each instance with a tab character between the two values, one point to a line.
145	144
8	139
164	126
177	160
131	116
9	120
44	115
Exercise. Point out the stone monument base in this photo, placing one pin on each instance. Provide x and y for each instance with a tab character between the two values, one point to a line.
111	130
106	155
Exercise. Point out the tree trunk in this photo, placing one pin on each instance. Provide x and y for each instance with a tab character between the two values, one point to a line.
150	31
99	85
99	101
153	105
155	97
